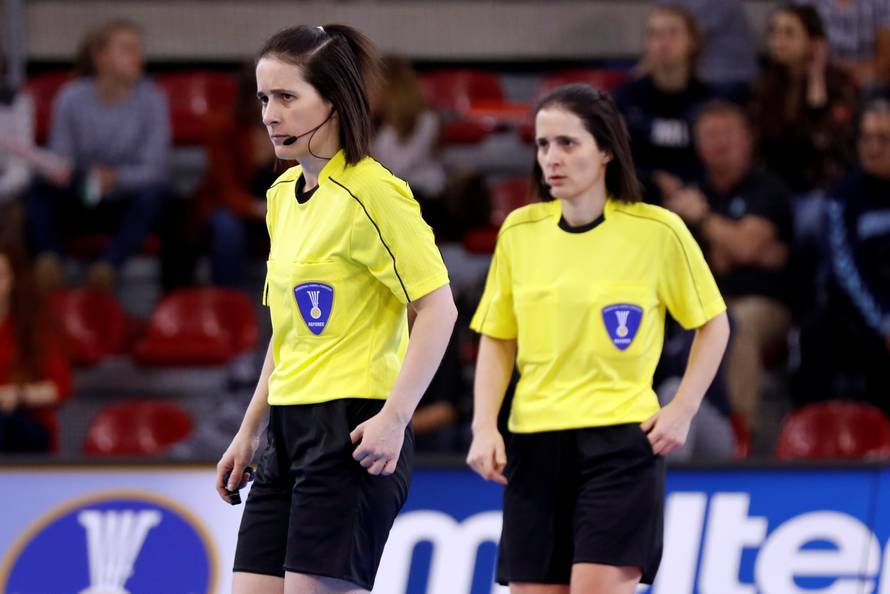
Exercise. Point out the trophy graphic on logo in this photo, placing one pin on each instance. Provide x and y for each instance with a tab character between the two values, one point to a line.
114	539
315	312
622	315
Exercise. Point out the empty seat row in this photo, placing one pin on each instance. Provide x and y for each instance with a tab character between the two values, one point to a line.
200	326
472	102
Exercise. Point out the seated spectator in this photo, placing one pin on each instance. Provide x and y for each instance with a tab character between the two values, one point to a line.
16	125
858	31
741	216
113	128
728	60
659	107
406	139
803	105
845	346
232	198
34	374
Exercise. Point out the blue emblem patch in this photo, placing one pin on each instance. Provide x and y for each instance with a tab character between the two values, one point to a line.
622	322
315	301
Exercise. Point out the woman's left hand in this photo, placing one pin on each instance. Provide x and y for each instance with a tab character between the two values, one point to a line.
668	428
379	443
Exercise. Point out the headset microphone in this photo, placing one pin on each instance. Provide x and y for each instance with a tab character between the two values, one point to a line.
292	139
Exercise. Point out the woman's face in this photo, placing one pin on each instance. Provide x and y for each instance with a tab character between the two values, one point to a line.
787	40
568	155
6	279
668	40
874	143
122	57
292	107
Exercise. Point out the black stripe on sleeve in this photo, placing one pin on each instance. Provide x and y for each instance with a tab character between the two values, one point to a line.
379	234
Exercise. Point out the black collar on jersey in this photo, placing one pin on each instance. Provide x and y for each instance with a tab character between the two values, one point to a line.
565	226
301	195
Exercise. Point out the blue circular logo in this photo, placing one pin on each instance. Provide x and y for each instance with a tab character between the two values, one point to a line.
114	543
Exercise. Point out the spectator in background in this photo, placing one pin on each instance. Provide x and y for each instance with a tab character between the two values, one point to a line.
34	373
659	107
406	138
741	216
113	127
858	32
803	105
845	346
728	60
232	198
16	125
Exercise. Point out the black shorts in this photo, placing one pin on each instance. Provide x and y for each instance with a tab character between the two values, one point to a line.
581	496
312	508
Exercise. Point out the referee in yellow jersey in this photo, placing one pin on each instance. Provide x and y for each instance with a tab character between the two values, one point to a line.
577	294
349	254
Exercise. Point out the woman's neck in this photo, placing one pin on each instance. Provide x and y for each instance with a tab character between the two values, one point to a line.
312	167
584	208
112	90
672	78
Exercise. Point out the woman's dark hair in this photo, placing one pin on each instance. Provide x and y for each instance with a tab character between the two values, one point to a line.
341	64
773	108
808	17
97	40
402	100
246	109
27	315
692	28
601	118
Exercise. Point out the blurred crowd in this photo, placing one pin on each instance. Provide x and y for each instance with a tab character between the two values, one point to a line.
775	152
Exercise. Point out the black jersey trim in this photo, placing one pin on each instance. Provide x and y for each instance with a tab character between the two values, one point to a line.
568	228
379	234
282	181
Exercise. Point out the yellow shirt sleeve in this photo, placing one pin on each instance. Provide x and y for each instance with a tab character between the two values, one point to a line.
686	285
495	315
396	245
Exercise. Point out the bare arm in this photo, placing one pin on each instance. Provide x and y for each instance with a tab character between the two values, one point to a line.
494	366
44	393
749	241
381	436
245	443
669	427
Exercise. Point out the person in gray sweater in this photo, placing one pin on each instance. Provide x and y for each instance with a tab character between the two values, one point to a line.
112	129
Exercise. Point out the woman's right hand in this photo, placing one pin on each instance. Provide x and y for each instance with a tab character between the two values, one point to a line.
488	456
235	459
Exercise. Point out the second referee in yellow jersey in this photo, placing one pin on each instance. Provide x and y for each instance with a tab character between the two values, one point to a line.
577	294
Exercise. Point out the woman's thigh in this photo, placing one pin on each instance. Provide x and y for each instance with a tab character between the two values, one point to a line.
255	583
593	578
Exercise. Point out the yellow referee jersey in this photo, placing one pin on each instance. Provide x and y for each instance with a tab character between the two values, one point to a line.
342	267
587	310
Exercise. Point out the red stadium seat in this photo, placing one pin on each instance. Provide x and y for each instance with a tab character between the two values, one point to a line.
137	428
507	195
605	79
92	322
192	96
90	246
43	89
204	326
454	92
742	435
835	429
